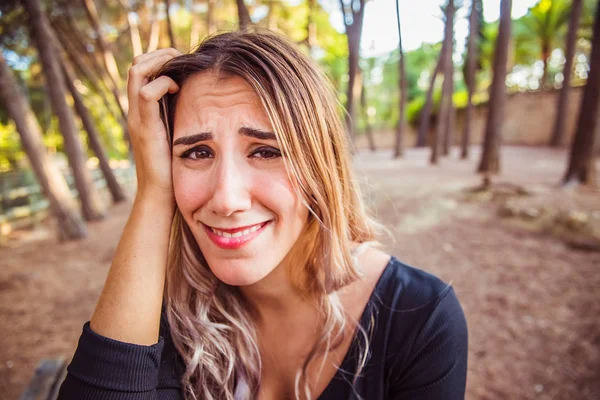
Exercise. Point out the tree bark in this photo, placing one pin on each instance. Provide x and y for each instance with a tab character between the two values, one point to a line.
91	75
42	36
425	119
243	15
134	31
311	28
55	188
581	168
471	78
154	29
545	57
353	14
563	98
117	193
107	55
490	158
403	86
443	126
93	78
211	22
364	107
195	29
169	25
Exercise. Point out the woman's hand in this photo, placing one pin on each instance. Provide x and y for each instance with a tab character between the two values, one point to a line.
149	139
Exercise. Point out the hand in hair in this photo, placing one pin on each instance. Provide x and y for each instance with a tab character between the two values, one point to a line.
129	307
148	136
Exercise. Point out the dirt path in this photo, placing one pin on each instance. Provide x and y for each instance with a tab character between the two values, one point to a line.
532	303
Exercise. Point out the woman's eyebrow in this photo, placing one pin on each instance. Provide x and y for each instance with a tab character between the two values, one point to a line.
257	133
191	139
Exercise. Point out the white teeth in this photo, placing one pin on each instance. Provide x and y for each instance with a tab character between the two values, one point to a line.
237	234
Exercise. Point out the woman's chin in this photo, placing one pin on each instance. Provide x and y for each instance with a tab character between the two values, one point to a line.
237	273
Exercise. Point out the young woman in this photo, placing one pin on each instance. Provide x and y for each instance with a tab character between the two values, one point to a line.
247	268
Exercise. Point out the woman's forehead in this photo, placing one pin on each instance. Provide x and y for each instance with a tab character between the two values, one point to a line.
207	101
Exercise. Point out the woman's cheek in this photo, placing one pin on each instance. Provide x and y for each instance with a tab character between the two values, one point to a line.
190	189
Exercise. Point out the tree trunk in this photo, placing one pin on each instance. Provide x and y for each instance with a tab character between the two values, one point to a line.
134	31
563	98
442	131
42	36
364	108
107	55
581	168
243	15
196	28
169	25
490	158
311	27
427	107
91	75
545	57
403	86
94	140
154	29
211	22
471	78
64	42
54	186
353	14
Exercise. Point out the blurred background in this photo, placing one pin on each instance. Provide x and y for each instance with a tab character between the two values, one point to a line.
476	130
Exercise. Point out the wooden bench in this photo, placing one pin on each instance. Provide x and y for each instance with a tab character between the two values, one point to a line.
46	380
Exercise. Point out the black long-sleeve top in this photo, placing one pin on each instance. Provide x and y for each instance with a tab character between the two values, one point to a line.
418	351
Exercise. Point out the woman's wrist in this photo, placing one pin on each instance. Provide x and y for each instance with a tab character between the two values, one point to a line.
159	200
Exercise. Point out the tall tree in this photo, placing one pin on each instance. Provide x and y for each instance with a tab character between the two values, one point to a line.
581	167
425	119
243	15
490	157
470	76
42	35
365	112
311	27
353	12
154	28
172	42
444	129
196	25
563	97
110	63
117	193
54	186
134	31
542	29
403	86
211	22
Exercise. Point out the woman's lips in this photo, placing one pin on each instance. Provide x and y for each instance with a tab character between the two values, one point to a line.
237	241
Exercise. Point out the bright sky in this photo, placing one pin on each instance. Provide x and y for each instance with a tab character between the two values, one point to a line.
421	22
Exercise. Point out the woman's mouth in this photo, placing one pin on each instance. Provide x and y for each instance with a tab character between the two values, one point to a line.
234	238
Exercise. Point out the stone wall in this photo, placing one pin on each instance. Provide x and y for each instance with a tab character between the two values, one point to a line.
529	120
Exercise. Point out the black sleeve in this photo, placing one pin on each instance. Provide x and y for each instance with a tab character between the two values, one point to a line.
107	369
437	367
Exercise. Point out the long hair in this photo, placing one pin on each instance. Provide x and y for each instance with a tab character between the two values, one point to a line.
211	325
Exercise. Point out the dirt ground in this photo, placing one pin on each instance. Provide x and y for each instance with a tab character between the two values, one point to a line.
532	301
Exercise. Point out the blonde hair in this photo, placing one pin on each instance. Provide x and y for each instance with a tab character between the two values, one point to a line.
211	324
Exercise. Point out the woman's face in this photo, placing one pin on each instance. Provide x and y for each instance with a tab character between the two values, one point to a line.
230	182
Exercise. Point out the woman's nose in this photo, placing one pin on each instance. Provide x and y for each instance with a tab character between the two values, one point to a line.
230	194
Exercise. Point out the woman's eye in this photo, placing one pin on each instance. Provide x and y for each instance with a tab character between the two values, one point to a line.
197	153
267	153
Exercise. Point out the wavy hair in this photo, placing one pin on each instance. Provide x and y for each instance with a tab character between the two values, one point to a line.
210	322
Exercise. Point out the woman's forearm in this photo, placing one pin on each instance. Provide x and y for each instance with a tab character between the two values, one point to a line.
130	304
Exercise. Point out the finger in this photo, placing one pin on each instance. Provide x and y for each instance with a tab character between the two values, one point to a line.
150	94
139	73
146	56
